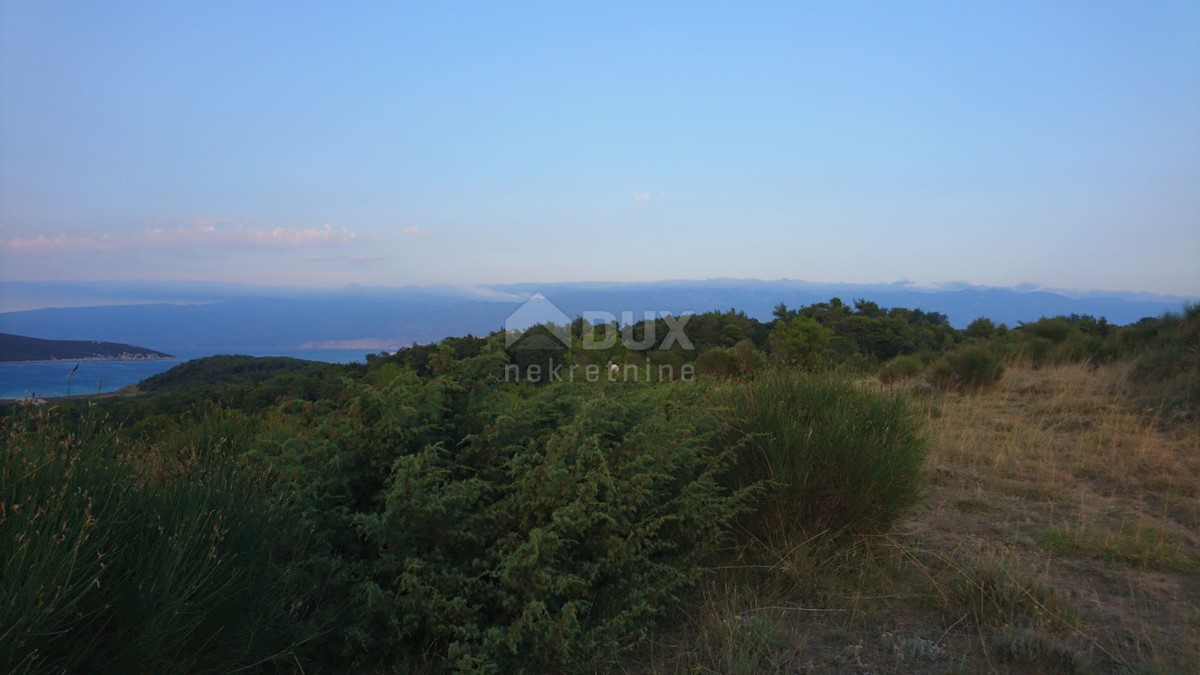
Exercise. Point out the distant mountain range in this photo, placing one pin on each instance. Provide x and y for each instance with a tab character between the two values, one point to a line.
16	348
232	318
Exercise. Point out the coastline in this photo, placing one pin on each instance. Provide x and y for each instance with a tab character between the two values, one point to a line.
48	378
94	359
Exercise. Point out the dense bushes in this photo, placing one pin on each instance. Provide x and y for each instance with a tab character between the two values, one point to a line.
486	527
215	371
473	525
1166	366
451	521
1163	353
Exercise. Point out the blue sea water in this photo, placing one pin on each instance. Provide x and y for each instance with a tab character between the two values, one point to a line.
45	379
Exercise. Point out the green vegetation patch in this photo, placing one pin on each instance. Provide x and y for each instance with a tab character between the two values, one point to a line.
971	367
215	371
1140	545
166	566
900	368
423	513
837	458
467	524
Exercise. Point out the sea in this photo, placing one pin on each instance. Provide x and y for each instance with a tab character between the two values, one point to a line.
47	379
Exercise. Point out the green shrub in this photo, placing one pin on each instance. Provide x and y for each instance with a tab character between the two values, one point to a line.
967	368
512	528
981	327
838	458
1005	349
1074	339
1079	348
749	359
1054	329
1166	365
855	364
800	341
1039	351
718	361
1158	364
900	368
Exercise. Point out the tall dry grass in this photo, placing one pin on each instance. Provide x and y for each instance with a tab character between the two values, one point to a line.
1058	534
1068	473
1067	431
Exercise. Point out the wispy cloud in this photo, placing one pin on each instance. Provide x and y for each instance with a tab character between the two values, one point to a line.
59	241
284	237
641	196
415	232
355	260
196	234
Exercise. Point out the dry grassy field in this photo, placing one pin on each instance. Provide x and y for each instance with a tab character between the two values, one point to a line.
1060	532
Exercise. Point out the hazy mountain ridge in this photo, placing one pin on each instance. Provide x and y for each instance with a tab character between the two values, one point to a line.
232	318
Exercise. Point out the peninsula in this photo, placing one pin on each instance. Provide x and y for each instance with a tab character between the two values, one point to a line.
18	348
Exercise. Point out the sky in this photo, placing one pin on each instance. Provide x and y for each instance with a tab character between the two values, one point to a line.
324	144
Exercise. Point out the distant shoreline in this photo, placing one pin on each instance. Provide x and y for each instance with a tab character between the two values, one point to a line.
96	359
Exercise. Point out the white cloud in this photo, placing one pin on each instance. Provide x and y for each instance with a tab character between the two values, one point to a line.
273	237
415	232
356	260
641	196
196	234
59	241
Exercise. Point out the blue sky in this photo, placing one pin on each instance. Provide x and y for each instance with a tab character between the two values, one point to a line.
471	143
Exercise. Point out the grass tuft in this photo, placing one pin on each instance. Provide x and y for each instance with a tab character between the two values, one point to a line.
1140	545
838	457
106	570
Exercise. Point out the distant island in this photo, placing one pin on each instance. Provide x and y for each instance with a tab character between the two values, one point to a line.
18	348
